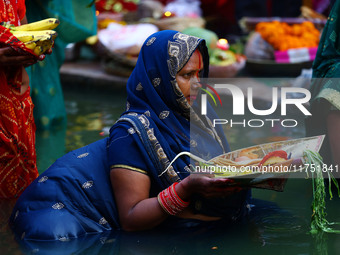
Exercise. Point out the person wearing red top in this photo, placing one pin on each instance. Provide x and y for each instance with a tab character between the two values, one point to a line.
17	129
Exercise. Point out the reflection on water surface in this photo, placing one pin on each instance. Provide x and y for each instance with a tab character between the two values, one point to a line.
278	224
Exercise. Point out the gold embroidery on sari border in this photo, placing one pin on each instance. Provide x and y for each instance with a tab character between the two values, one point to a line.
129	168
161	155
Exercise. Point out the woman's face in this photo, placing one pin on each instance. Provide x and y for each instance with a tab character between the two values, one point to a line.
188	77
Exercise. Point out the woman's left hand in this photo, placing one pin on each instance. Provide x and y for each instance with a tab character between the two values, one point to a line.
10	57
206	186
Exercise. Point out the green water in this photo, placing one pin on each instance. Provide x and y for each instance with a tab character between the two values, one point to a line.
89	116
278	224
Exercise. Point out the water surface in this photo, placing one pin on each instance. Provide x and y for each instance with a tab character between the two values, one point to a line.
278	224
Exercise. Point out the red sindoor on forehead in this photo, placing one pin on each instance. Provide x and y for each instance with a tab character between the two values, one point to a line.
199	61
199	58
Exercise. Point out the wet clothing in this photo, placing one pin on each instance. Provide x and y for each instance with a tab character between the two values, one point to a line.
74	197
17	129
325	87
71	199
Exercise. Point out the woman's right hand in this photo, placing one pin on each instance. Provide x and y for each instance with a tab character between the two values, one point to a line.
10	57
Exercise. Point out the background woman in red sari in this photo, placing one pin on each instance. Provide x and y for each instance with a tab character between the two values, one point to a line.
17	129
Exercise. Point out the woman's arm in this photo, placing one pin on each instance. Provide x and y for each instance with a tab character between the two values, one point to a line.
137	211
24	20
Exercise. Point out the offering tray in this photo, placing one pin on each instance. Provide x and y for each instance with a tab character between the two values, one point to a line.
252	173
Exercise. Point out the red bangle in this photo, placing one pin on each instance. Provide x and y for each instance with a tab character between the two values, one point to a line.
170	201
178	199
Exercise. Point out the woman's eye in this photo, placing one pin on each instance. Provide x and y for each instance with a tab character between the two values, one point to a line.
192	74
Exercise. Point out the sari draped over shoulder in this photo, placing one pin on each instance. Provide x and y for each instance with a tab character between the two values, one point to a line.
17	128
12	11
325	87
159	123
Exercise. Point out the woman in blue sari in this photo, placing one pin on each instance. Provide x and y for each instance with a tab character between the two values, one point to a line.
161	121
125	181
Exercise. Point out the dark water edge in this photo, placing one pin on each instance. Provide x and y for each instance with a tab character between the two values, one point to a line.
278	224
268	229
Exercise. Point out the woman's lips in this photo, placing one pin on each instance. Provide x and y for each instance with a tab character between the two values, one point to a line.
192	98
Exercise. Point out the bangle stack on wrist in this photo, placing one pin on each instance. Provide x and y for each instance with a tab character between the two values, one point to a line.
170	201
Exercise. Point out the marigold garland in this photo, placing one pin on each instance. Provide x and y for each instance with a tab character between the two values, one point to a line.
283	36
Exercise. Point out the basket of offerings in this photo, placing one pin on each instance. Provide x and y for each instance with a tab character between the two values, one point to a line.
225	61
263	166
282	46
119	46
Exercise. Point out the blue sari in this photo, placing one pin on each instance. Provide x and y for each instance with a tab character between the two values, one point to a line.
159	123
71	199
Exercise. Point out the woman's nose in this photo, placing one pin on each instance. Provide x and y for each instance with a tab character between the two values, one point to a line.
196	84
